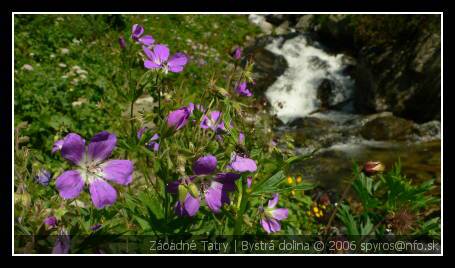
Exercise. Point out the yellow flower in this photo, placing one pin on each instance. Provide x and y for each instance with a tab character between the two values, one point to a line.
299	179
315	209
290	180
293	192
308	213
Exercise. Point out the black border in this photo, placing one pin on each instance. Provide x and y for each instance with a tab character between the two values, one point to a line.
181	6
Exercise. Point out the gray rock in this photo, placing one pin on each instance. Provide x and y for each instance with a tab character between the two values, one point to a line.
388	128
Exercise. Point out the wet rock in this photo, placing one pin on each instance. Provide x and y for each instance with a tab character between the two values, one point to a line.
318	63
283	28
279	19
325	93
267	65
388	128
305	23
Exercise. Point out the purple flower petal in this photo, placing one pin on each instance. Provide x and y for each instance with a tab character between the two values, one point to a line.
140	132
172	187
43	177
51	221
96	227
227	180
191	205
249	181
189	208
270	225
137	31
280	213
243	90
243	164
272	202
153	144
161	53
57	146
177	62
69	184
215	197
178	118
73	148
121	42
238	53
241	139
265	225
151	65
101	146
147	40
102	193
62	244
118	171
205	165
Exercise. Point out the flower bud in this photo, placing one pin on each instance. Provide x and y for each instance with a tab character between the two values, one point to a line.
373	167
121	42
193	190
182	192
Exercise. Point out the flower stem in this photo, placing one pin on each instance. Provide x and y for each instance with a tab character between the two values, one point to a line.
243	201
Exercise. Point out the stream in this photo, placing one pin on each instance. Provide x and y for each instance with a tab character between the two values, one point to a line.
312	102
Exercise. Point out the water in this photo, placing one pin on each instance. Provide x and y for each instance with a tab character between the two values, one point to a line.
295	93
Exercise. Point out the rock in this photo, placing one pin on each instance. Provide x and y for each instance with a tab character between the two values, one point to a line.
260	21
388	128
405	82
305	23
317	63
325	93
267	65
283	28
279	19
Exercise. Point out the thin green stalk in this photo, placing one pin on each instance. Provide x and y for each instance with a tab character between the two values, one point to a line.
242	203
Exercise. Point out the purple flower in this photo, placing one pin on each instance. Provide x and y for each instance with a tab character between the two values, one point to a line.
200	108
96	227
249	181
179	118
243	90
271	216
213	122
241	139
122	42
237	53
242	164
188	195
217	193
140	132
153	143
136	35
43	177
57	146
62	243
205	165
215	189
93	168
51	221
159	59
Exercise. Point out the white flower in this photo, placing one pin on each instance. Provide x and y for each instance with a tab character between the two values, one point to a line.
64	51
27	67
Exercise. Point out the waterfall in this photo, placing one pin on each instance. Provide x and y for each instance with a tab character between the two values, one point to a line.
295	93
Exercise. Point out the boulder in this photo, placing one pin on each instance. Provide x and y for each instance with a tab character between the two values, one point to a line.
388	128
267	65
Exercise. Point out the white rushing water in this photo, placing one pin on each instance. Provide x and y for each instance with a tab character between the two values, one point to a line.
294	93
